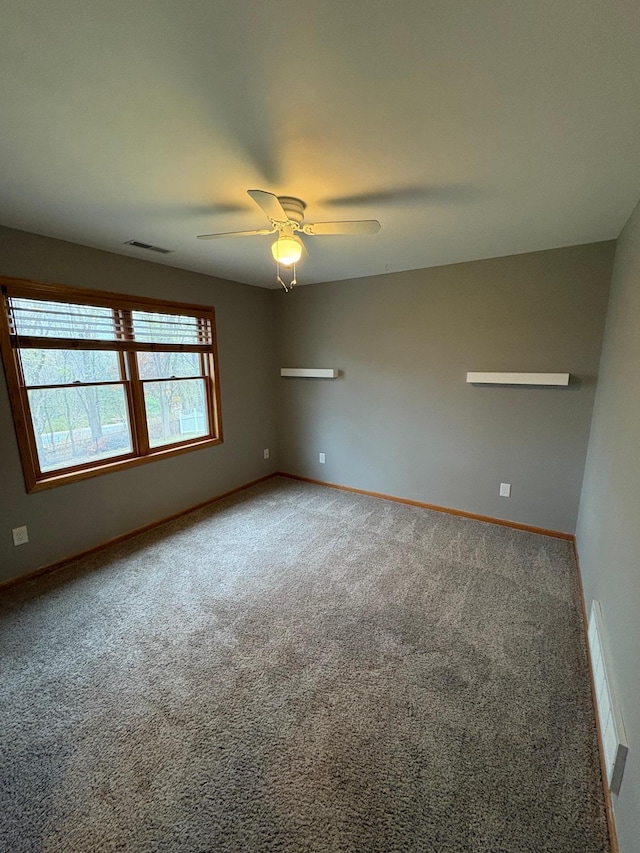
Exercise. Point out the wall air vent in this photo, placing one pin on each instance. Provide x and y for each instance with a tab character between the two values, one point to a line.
148	246
612	733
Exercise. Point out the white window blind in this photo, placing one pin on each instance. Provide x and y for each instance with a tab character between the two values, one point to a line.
37	318
170	328
44	323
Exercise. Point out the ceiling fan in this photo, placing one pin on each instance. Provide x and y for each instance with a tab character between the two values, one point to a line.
286	215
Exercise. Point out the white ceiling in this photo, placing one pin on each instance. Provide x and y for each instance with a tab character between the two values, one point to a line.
470	130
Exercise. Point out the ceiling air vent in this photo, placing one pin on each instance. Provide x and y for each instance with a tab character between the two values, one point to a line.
148	246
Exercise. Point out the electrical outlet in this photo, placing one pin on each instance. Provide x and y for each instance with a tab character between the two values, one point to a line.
505	490
266	452
20	535
321	458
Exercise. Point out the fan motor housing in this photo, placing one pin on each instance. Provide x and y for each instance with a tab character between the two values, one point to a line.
293	207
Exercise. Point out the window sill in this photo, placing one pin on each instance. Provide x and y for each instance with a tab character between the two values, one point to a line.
53	479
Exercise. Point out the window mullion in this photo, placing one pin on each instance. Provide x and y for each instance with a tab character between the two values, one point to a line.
136	395
137	399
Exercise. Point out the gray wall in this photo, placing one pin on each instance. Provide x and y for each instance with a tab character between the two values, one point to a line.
402	419
609	522
65	520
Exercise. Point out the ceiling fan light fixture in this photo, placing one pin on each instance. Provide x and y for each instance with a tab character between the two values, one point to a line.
287	250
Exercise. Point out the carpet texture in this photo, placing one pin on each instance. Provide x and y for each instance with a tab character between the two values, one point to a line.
302	670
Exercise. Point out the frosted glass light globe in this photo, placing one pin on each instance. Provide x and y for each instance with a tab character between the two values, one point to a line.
287	250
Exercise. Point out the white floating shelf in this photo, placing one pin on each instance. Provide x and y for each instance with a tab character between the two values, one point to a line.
518	378
310	372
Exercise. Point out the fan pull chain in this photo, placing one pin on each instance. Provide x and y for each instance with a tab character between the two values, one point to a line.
292	283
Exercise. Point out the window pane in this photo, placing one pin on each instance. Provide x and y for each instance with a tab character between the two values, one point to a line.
61	366
152	327
166	365
62	319
176	410
75	426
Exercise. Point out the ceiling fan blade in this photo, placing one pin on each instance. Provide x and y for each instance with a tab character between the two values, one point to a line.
383	196
258	233
270	204
429	194
358	226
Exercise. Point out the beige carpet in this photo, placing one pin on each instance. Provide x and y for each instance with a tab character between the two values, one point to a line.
302	670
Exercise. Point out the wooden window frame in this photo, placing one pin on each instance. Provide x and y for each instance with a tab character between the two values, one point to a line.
10	345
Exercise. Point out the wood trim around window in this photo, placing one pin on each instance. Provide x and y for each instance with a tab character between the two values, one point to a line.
141	452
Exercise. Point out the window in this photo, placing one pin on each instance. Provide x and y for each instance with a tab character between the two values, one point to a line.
99	381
